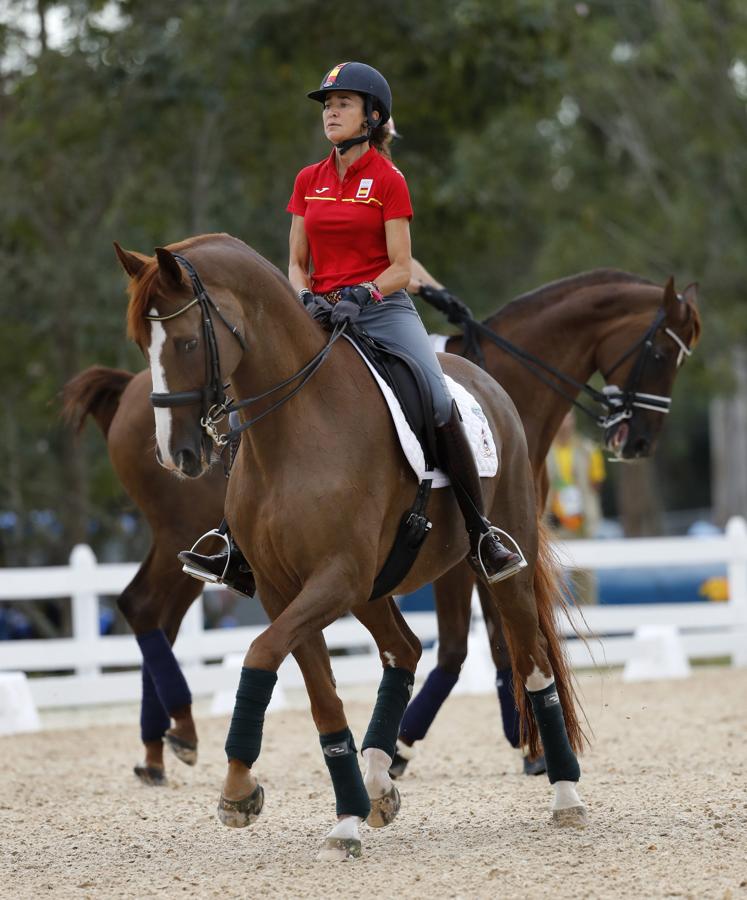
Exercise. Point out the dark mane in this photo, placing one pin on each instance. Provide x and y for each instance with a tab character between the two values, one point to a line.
548	293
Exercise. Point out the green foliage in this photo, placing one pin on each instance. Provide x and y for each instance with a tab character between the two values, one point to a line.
541	138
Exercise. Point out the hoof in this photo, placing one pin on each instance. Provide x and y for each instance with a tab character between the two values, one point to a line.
151	775
384	810
186	751
535	766
240	813
571	817
398	766
340	850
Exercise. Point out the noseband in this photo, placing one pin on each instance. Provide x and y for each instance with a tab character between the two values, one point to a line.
622	403
212	398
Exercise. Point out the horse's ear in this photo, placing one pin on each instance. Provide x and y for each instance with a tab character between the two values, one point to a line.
674	308
690	294
132	263
168	268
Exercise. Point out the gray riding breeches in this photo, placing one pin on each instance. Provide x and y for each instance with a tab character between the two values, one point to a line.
396	323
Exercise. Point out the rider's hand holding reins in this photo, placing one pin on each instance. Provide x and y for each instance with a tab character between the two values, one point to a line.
353	300
444	301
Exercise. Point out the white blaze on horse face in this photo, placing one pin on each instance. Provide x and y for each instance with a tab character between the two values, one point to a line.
158	375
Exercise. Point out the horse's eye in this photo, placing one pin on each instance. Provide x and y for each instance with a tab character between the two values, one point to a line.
190	345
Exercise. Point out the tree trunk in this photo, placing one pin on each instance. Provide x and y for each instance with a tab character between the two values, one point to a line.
728	427
638	499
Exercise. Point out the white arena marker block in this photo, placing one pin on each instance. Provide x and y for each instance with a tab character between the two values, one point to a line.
223	701
17	708
659	655
478	672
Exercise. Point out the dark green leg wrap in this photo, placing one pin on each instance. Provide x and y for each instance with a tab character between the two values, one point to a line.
562	764
394	694
252	699
342	761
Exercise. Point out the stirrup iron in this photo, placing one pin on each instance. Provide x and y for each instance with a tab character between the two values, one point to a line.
204	574
508	570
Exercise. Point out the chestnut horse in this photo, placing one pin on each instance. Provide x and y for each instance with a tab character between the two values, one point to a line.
632	331
314	501
595	314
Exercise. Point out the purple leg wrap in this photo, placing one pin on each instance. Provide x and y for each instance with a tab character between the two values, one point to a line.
170	684
425	705
154	720
504	682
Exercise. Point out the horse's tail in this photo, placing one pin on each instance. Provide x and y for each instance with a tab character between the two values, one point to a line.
551	599
95	391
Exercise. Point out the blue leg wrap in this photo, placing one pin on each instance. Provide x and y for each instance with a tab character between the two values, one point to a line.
252	699
154	720
395	691
342	761
504	683
425	706
172	687
562	764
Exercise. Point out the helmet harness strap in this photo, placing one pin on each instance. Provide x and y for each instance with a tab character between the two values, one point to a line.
371	123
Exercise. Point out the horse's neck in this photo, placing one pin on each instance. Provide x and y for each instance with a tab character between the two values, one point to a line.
281	339
564	334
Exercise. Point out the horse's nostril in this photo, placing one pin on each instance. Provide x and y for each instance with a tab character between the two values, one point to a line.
641	447
187	462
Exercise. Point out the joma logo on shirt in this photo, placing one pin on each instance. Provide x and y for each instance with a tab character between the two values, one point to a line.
364	189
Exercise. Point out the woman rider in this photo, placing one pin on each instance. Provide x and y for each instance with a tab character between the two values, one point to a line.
351	219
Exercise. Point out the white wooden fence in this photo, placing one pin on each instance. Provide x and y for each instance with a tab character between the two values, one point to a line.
104	669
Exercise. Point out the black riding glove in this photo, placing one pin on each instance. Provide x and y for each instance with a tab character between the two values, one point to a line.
317	306
444	301
344	311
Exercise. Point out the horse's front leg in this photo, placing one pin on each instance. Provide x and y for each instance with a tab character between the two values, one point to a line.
154	604
296	629
399	650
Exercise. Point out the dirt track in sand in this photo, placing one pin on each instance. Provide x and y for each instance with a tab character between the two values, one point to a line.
665	783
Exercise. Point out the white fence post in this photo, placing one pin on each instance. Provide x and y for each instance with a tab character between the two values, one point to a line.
85	603
736	532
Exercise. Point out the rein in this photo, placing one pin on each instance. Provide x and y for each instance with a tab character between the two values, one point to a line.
619	403
212	396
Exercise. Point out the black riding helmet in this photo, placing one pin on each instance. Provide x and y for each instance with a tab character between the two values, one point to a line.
364	80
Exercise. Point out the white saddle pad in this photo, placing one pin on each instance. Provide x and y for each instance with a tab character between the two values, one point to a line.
476	425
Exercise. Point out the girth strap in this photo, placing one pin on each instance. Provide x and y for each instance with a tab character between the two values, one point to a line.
412	532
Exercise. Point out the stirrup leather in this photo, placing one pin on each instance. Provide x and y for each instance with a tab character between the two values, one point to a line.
508	570
204	574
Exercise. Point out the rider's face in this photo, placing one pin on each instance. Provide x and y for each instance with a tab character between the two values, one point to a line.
343	116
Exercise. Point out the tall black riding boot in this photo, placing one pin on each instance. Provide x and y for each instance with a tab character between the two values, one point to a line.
229	567
490	559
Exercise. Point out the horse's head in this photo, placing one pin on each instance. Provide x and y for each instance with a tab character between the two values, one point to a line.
192	341
640	363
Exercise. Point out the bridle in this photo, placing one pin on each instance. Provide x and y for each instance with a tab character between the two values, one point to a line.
619	403
622	403
212	398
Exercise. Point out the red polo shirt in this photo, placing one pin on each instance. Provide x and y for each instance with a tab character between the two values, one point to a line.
344	220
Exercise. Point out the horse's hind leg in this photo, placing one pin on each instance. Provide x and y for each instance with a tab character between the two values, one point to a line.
399	650
453	596
551	701
154	604
504	681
